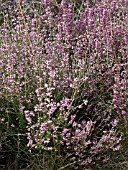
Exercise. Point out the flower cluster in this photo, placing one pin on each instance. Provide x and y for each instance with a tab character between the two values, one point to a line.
68	75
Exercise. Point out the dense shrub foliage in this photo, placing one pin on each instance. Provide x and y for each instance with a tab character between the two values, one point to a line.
64	78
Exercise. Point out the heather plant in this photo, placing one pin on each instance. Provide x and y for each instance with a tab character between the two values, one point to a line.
64	79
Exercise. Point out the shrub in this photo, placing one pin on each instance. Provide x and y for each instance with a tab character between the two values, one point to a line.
64	78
